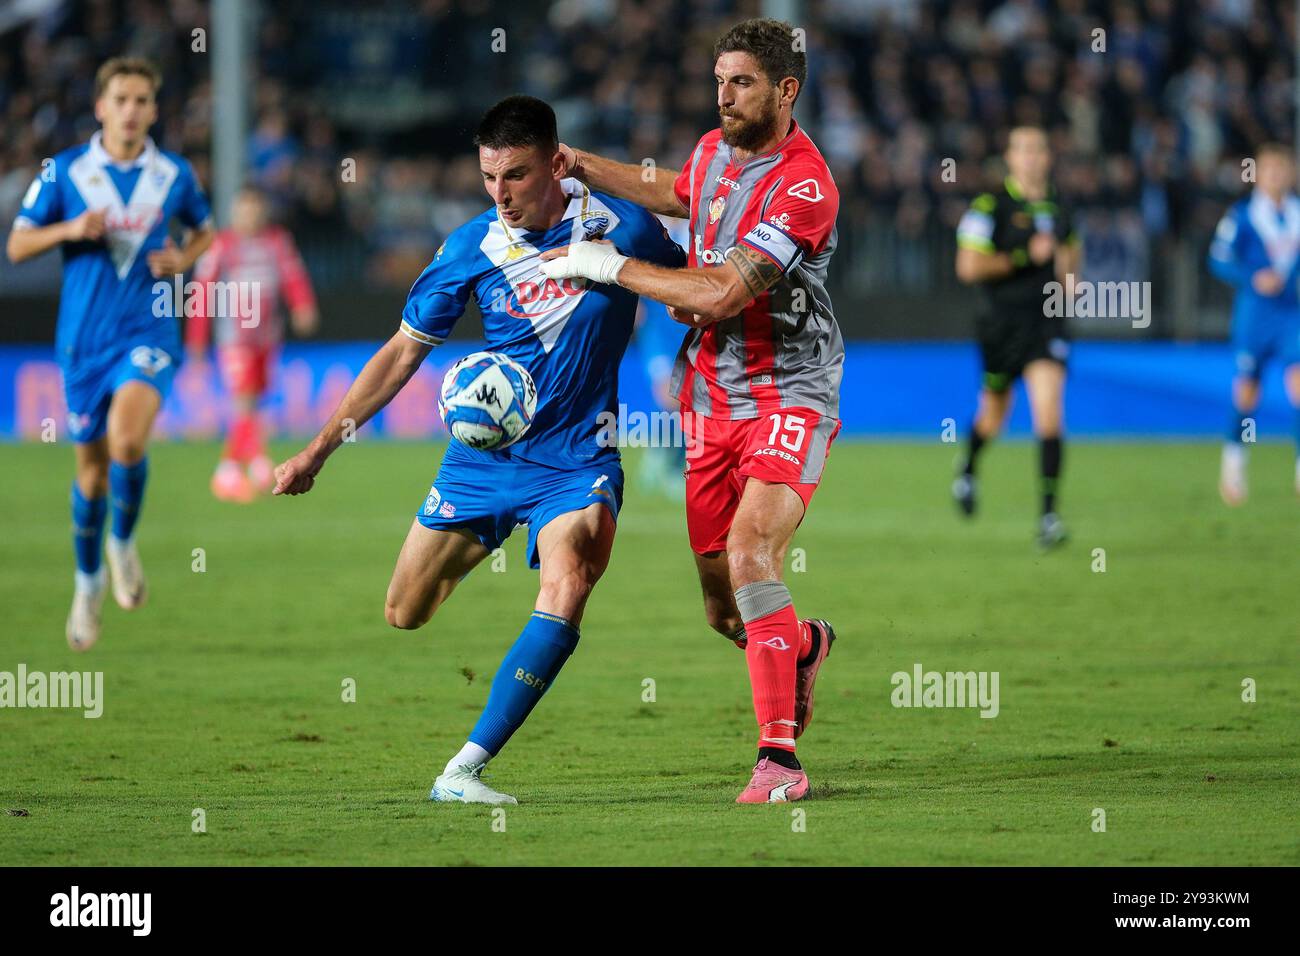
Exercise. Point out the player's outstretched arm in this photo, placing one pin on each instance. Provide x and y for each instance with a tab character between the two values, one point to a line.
695	296
650	187
383	377
30	242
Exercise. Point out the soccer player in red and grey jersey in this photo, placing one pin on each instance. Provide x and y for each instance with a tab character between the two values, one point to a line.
260	259
759	373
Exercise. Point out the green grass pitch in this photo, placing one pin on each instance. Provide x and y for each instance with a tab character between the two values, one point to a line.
1119	690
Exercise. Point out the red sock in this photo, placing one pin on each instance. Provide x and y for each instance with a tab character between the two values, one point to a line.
772	653
255	448
245	438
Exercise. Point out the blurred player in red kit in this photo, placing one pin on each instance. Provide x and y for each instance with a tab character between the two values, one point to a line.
255	261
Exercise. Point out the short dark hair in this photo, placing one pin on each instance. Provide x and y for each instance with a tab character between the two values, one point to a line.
771	43
518	121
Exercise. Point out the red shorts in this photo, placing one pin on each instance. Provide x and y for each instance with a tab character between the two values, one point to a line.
246	369
786	447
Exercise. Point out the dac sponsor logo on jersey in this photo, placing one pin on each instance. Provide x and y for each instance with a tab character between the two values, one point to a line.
715	208
538	298
136	218
808	190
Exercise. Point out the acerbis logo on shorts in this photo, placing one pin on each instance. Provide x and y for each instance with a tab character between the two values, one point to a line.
779	454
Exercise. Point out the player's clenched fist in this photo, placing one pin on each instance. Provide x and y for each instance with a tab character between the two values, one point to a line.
297	475
167	261
88	227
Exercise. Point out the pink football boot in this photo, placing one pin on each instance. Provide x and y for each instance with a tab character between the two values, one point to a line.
806	675
773	783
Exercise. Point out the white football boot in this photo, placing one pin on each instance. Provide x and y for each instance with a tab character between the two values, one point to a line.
462	785
1232	475
128	575
87	605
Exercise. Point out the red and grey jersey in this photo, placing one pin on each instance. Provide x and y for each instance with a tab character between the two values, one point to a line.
784	349
235	270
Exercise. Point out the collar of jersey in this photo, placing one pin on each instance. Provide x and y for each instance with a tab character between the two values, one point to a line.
101	157
578	194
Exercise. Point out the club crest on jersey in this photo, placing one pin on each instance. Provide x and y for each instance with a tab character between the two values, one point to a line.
594	224
808	190
716	207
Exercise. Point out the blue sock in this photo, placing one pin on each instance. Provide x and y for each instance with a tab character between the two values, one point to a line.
126	489
524	676
88	516
1233	434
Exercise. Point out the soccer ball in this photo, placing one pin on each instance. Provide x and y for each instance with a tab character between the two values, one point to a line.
487	400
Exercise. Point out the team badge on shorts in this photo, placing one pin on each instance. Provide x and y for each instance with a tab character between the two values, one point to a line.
431	503
149	360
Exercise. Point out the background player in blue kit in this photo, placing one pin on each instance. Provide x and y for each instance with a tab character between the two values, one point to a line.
1256	250
109	204
563	478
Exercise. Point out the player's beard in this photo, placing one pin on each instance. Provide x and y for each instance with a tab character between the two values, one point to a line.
750	134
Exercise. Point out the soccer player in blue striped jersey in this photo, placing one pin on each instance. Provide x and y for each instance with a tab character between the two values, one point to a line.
1256	250
563	479
109	205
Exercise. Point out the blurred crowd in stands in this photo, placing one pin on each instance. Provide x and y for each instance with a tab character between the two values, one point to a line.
1151	104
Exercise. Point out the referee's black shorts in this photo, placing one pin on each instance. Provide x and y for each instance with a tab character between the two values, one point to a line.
1007	345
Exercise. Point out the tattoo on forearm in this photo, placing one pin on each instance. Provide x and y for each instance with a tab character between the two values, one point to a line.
757	271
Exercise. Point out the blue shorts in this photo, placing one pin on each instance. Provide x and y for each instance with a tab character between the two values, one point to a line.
1261	339
90	386
491	494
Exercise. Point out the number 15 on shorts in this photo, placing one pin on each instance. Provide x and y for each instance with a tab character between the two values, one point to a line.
790	429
